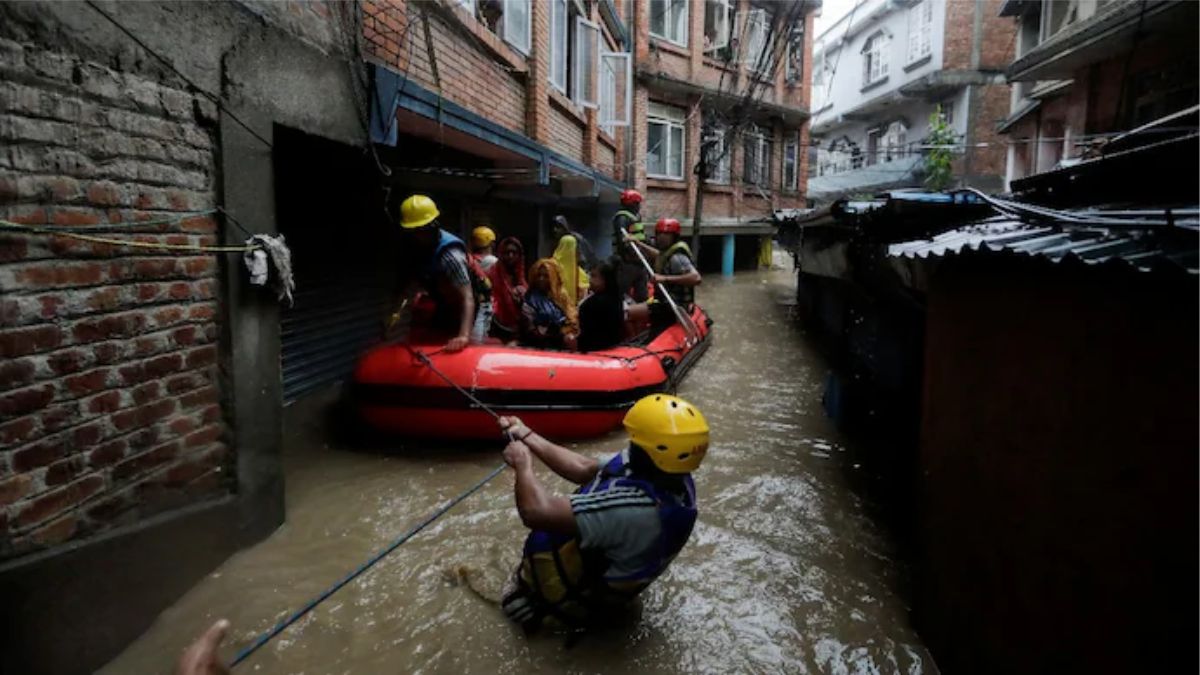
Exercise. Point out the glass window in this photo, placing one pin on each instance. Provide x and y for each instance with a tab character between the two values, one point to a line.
616	78
665	141
716	146
791	161
558	44
669	20
756	148
875	59
756	55
795	55
920	30
516	24
717	18
587	51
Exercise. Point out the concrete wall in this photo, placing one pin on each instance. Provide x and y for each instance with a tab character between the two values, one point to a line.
1059	469
843	86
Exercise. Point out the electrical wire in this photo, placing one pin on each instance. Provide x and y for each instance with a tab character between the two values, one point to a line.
195	248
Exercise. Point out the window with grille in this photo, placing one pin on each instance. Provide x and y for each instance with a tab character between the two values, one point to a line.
756	151
791	162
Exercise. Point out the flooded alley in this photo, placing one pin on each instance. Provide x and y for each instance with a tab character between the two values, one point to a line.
784	571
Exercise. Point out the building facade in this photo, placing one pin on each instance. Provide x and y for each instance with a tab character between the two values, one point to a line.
880	74
1086	71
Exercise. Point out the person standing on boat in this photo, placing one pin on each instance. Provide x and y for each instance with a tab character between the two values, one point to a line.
674	268
562	229
570	264
508	289
438	262
593	551
631	276
482	239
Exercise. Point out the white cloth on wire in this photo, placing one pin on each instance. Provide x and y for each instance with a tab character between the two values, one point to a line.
270	252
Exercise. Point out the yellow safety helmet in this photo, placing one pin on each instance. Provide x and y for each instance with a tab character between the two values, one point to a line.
417	211
482	236
671	431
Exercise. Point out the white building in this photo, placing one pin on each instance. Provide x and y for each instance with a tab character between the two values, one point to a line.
879	74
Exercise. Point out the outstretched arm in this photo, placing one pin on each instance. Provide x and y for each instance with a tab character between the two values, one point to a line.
572	466
538	509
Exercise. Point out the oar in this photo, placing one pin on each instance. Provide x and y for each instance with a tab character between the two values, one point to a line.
689	326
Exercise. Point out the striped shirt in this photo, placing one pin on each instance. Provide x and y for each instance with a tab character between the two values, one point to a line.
623	523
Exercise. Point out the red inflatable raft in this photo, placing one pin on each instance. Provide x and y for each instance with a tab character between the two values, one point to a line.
560	394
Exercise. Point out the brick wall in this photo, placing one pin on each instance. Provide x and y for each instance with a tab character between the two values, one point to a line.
566	133
108	393
476	69
998	43
665	203
606	160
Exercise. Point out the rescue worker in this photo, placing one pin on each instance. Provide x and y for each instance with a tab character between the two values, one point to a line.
482	240
630	517
674	268
631	276
438	262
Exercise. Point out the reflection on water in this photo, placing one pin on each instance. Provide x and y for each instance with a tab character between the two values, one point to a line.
784	573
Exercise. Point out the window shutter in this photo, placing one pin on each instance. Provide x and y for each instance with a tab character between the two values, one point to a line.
617	103
587	50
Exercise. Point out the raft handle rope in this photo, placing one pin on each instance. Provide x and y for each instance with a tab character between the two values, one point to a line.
298	614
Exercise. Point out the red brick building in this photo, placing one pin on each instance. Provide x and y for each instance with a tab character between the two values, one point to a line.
1084	72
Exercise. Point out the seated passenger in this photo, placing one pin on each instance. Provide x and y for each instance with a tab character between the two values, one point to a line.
602	314
548	319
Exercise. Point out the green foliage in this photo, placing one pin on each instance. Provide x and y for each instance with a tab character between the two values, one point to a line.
939	174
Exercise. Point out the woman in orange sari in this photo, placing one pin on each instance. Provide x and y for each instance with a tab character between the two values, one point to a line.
548	317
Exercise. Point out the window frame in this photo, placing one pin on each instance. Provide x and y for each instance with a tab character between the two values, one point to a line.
669	123
762	157
721	171
578	69
669	20
725	35
791	141
874	53
796	33
504	24
602	110
920	31
754	62
557	59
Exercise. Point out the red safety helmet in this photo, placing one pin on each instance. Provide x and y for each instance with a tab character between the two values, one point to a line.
666	225
629	197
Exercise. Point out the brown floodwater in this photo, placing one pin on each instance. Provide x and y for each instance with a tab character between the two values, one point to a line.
785	571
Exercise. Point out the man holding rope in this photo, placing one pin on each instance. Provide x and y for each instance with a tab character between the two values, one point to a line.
630	517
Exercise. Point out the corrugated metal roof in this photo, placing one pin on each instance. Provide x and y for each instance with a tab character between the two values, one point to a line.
1140	248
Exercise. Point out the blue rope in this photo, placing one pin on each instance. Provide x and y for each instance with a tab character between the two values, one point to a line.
282	625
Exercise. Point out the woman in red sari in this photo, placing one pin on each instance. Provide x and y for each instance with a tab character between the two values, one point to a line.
508	289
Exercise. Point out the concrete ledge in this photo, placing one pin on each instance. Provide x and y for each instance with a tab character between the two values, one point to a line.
74	609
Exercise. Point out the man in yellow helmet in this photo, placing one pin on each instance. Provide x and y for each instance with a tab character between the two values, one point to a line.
439	262
630	517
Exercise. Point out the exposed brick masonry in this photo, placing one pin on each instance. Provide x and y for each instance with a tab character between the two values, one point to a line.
109	405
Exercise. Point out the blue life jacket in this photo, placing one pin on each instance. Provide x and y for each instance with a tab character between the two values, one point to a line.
568	581
481	285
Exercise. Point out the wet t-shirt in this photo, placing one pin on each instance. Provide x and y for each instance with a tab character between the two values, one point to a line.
621	521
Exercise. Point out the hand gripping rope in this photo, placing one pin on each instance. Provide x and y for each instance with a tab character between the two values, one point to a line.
298	614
